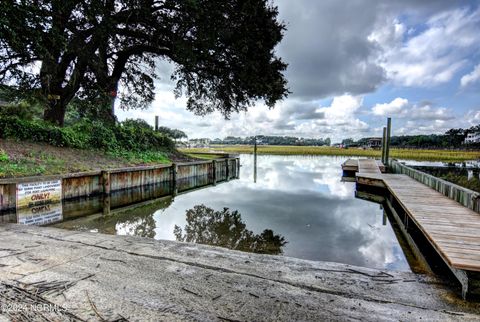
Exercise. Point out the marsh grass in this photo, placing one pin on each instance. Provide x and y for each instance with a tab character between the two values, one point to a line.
410	154
462	180
203	156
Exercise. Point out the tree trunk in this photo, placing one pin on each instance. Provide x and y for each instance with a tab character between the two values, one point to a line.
108	111
55	112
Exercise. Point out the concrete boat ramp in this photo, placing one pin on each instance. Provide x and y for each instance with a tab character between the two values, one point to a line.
54	274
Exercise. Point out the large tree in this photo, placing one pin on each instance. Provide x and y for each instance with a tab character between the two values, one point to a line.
223	51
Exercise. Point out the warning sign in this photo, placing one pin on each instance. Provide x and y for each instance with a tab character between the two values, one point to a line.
40	215
38	193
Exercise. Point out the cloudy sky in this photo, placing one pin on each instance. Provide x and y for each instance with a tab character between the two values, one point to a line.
352	63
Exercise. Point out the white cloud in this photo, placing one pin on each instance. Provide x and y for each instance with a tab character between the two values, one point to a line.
473	117
432	56
340	117
395	107
427	112
400	108
415	127
471	77
341	109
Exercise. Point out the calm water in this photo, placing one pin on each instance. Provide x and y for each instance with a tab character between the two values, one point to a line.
297	206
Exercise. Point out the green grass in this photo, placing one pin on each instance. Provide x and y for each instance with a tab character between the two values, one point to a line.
141	157
3	156
410	154
39	164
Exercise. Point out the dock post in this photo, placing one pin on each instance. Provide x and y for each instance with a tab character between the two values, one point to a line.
156	123
227	172
174	179
106	192
106	182
214	172
106	205
384	142
387	146
255	161
238	168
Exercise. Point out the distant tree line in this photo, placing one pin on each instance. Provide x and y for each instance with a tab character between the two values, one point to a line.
453	138
273	140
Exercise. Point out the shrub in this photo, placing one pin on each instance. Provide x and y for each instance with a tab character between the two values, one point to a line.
3	156
23	110
130	135
137	124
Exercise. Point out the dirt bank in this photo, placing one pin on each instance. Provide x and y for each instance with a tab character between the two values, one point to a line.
26	159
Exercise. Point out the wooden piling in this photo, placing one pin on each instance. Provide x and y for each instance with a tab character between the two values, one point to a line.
106	192
106	182
387	147
174	179
227	173
238	168
384	143
214	172
255	160
107	205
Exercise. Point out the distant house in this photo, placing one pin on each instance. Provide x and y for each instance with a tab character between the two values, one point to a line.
199	143
473	137
181	144
373	143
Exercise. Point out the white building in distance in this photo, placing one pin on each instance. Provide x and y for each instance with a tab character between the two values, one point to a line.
473	137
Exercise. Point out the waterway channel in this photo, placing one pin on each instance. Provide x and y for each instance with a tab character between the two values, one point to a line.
296	206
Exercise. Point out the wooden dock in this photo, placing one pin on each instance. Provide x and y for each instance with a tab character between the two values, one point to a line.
452	229
368	166
363	166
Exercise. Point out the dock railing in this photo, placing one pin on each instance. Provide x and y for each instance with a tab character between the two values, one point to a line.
464	196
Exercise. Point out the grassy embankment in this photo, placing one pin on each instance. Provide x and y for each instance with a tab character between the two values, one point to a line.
410	154
22	158
33	147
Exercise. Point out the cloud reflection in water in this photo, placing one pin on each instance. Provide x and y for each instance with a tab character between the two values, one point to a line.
302	199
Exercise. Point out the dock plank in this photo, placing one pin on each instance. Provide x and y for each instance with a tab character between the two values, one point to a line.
363	165
368	166
452	229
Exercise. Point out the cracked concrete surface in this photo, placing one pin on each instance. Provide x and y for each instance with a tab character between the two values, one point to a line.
99	277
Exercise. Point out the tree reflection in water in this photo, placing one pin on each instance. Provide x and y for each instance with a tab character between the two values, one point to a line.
134	221
226	229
